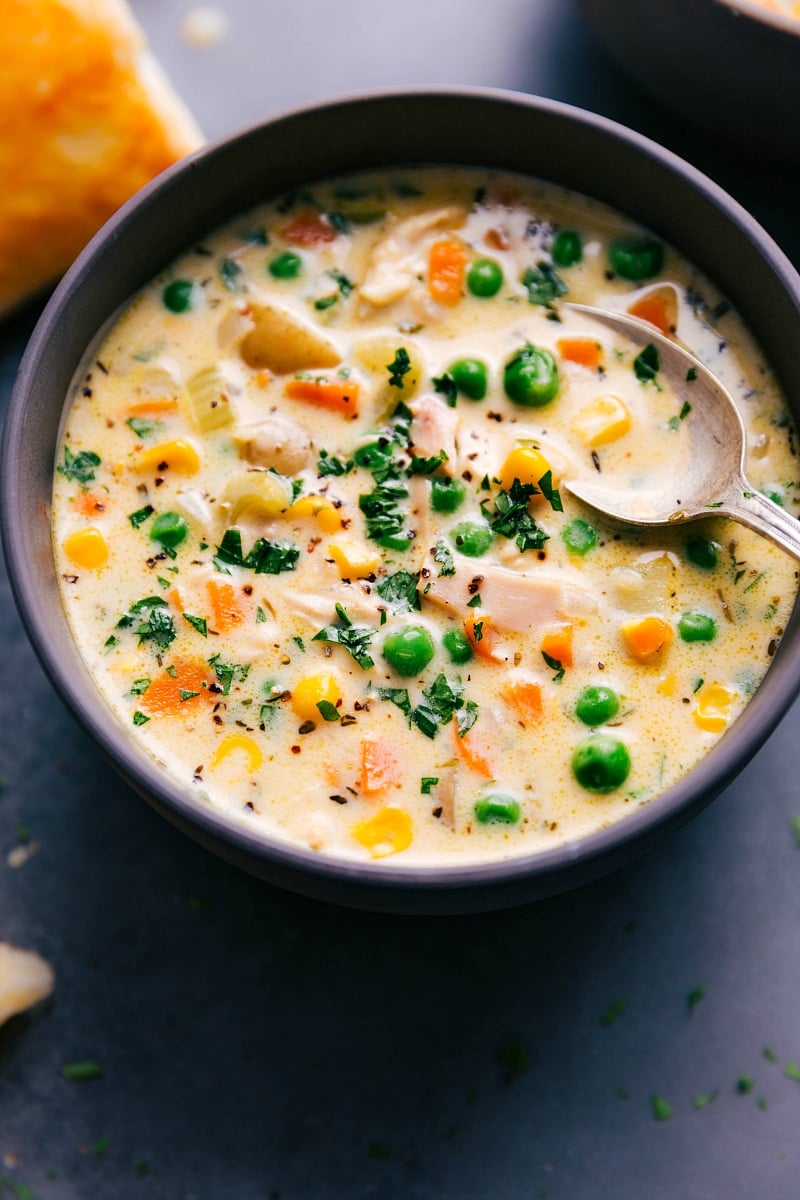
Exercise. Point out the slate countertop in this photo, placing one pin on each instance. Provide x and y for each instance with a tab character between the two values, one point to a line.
259	1046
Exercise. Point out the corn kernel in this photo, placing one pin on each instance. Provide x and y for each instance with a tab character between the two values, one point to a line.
313	690
238	742
604	420
86	548
646	638
321	509
667	685
527	464
712	709
178	455
354	559
388	832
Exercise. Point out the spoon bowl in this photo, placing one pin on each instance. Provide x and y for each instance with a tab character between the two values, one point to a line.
714	483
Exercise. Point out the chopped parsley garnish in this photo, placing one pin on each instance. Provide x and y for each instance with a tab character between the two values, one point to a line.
615	1009
327	711
79	467
265	558
704	1100
198	623
691	375
661	1109
444	558
142	427
186	695
745	1084
443	700
139	718
795	825
261	616
554	664
445	385
339	222
426	466
328	464
544	284
140	516
140	686
647	364
78	1072
551	494
769	1055
694	997
792	1071
399	367
475	602
380	507
511	518
325	302
354	638
227	673
398	696
298	641
150	621
400	590
344	284
229	272
426	783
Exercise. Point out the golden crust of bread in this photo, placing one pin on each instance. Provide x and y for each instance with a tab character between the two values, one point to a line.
86	118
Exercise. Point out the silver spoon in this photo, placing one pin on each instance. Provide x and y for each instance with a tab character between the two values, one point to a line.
716	484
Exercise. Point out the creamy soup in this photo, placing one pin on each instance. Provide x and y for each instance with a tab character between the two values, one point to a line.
314	542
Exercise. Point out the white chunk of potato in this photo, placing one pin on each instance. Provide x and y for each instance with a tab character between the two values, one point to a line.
282	343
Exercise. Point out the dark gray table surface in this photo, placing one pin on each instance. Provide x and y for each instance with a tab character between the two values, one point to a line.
258	1045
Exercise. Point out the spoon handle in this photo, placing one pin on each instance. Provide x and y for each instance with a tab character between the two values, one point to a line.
744	504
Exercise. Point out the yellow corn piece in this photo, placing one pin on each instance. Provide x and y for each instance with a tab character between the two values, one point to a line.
86	548
257	494
354	559
179	456
667	685
238	742
313	690
208	396
602	421
321	509
388	832
527	464
712	708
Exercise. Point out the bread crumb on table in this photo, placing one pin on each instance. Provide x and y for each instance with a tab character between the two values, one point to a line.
202	28
25	979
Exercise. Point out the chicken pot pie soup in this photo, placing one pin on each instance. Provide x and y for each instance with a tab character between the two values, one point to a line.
313	546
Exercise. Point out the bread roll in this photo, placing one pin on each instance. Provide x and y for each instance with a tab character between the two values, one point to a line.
86	118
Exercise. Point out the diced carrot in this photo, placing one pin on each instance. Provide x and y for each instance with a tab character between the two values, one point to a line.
263	378
653	309
526	697
379	768
338	394
557	644
226	608
176	600
153	406
474	751
497	239
179	691
88	504
584	351
645	639
309	228
446	265
481	636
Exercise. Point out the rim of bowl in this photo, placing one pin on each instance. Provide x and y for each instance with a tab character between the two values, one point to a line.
765	16
142	771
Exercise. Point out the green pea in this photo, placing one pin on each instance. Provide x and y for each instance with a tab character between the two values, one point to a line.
469	376
471	538
702	553
697	626
567	248
409	650
286	266
447	494
530	377
596	705
636	257
579	536
457	646
485	278
497	808
601	763
170	529
178	296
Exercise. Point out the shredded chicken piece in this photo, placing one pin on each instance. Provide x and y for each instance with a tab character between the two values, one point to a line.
433	429
275	442
396	260
517	600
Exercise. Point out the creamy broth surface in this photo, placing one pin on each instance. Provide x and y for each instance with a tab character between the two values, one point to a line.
313	544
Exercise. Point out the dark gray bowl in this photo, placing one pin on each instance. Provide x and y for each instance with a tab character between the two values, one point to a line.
731	66
491	129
